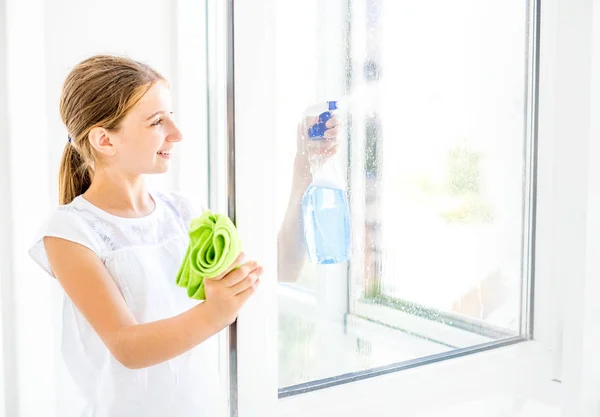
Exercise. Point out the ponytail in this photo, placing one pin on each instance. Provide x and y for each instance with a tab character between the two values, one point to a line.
75	175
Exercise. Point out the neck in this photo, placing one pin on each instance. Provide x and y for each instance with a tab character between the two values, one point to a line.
120	194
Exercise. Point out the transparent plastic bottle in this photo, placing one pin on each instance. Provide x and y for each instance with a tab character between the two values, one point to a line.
325	210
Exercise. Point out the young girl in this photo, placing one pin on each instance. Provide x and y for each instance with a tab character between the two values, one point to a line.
133	342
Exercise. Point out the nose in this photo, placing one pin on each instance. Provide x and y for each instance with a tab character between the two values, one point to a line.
175	134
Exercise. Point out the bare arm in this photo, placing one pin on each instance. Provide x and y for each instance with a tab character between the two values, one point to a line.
291	245
89	285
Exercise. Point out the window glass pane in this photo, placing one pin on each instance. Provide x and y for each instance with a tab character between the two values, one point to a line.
432	149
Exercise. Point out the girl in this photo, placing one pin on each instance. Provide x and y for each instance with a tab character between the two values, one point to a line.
133	342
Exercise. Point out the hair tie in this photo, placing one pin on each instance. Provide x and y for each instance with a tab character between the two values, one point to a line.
69	138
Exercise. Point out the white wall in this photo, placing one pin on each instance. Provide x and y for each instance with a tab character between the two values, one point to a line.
44	40
32	363
6	306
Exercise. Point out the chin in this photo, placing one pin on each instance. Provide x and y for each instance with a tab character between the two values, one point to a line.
159	169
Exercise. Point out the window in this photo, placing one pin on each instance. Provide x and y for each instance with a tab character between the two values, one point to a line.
437	157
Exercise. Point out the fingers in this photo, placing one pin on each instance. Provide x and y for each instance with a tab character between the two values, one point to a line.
310	121
247	282
332	132
247	293
325	146
234	277
234	264
333	122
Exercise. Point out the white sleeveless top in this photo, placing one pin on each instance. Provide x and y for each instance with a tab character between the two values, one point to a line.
143	256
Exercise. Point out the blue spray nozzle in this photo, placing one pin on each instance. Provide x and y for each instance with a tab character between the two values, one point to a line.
325	116
318	130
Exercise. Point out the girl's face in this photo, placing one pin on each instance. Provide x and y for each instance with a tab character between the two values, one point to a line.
145	142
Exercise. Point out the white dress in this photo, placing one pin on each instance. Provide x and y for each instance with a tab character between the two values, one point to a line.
143	256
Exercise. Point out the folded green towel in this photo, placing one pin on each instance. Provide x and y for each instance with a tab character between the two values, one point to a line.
214	245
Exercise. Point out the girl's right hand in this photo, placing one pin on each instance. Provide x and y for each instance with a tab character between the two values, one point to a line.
307	149
227	293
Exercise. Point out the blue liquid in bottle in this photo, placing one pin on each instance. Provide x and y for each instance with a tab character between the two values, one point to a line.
326	225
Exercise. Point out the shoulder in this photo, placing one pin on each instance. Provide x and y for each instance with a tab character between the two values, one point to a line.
73	222
69	223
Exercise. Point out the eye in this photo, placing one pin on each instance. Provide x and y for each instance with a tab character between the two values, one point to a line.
158	122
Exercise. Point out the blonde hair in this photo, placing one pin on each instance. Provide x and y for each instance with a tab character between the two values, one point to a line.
98	92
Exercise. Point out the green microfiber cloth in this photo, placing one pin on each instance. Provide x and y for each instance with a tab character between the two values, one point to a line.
214	245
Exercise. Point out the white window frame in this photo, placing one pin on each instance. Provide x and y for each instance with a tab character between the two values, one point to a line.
554	367
567	227
361	318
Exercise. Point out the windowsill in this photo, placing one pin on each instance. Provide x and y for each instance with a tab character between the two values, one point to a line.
384	322
375	317
517	367
374	339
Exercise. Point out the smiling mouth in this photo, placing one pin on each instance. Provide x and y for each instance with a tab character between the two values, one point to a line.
165	153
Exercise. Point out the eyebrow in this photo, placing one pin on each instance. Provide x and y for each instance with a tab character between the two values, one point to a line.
156	114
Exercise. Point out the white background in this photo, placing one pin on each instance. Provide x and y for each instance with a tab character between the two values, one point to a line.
41	41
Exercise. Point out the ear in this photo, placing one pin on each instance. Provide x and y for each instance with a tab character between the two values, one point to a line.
101	141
